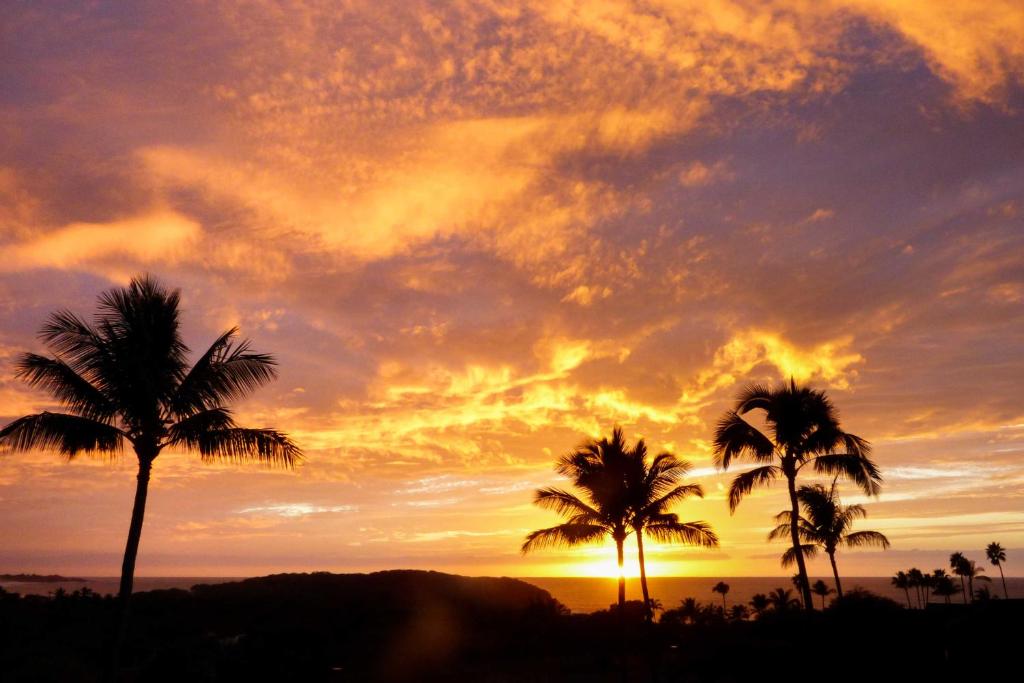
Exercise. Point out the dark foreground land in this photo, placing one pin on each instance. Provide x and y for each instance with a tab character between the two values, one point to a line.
426	626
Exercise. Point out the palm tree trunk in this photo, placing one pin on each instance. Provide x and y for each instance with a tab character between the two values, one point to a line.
963	588
131	551
643	575
970	586
907	591
1001	576
622	577
835	573
794	520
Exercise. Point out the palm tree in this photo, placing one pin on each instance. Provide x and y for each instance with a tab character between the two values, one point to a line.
804	428
781	600
739	612
972	571
721	588
826	524
942	584
916	578
821	589
997	555
124	379
957	563
598	470
652	488
759	603
901	580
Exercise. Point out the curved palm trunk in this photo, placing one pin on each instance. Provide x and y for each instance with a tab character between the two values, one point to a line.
643	575
794	519
835	573
131	551
907	591
1005	594
622	577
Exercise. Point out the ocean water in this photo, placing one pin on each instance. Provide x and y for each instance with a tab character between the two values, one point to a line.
578	594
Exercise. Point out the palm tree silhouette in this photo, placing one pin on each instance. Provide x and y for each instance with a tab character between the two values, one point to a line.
722	588
125	379
972	571
759	603
598	469
915	577
781	600
826	524
996	554
821	589
652	488
804	428
942	584
902	581
958	564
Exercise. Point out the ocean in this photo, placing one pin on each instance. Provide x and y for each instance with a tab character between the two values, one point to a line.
578	594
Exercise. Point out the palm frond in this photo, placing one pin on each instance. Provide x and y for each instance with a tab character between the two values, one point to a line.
68	434
737	438
669	528
226	372
858	468
679	493
266	446
563	535
563	502
189	432
743	483
61	381
809	551
866	538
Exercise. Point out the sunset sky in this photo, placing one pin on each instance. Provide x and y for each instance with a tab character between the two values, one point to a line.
475	233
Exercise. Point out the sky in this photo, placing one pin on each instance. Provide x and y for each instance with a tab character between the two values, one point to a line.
477	233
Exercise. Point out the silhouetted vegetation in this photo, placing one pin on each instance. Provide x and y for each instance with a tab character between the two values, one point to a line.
804	429
124	379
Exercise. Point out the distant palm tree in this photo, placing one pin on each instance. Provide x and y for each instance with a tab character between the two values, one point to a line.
804	428
916	578
759	603
902	581
927	582
826	524
652	487
822	590
721	588
125	379
971	571
942	585
598	469
739	612
781	600
957	564
997	555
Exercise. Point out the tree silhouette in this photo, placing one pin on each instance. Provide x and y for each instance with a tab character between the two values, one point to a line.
826	524
971	571
652	487
125	379
916	577
759	603
957	564
722	588
902	581
996	554
598	469
822	590
804	428
942	585
781	600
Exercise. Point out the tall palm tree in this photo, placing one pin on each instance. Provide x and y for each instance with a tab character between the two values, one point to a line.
902	581
722	588
942	584
822	590
652	488
124	379
916	577
826	524
958	564
997	555
598	470
804	430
